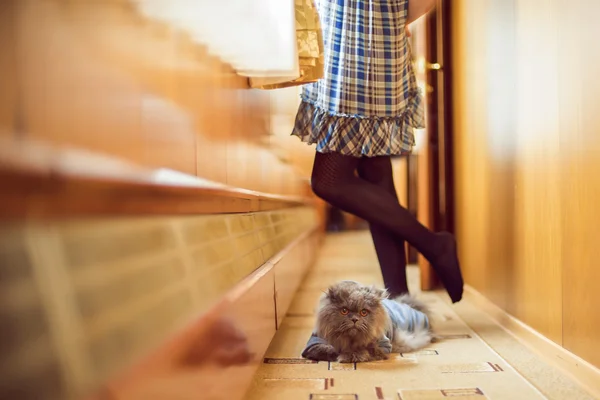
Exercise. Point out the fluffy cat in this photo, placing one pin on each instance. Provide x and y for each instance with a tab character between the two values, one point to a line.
358	323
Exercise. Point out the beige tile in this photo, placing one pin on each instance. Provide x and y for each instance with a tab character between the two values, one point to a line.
470	368
246	243
298	322
91	243
321	282
460	366
241	224
248	263
293	371
295	383
288	343
530	364
130	337
305	302
211	254
269	250
93	299
282	228
461	394
262	219
424	352
396	362
205	229
335	366
266	234
132	291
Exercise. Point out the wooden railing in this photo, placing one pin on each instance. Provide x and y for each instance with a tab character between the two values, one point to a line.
41	181
150	240
77	218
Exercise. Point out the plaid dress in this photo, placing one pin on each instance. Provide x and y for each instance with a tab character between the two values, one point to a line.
368	102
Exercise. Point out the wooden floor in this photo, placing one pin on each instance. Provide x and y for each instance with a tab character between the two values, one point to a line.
477	360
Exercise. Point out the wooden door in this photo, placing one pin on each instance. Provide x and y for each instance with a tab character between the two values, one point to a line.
434	150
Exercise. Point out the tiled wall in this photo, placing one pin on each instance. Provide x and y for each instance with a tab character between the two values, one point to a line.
81	300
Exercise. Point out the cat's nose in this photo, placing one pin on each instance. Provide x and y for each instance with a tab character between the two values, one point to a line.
354	319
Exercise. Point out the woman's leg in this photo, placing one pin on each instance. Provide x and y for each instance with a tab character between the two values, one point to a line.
390	248
334	181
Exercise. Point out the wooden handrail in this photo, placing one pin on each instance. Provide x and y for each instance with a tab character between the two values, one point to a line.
38	181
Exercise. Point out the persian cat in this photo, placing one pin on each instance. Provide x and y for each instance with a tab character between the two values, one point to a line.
358	323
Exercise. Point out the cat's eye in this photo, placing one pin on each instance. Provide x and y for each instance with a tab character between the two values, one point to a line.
364	313
344	311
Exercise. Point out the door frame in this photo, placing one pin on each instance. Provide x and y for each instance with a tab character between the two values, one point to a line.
435	172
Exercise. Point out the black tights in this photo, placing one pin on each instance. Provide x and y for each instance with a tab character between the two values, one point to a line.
391	249
372	197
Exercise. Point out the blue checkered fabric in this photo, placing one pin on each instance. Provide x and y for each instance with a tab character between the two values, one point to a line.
368	102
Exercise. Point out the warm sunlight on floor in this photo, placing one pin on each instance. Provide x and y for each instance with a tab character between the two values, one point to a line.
477	360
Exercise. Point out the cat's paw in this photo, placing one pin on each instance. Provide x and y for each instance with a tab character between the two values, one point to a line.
357	357
379	350
320	352
385	345
378	353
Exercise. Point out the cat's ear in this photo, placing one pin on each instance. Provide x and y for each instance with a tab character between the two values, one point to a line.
379	293
332	294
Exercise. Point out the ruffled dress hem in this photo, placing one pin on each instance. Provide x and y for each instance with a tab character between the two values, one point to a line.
356	135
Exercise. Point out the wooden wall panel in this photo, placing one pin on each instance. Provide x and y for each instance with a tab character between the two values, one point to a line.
496	66
99	76
526	124
579	56
538	209
70	97
471	150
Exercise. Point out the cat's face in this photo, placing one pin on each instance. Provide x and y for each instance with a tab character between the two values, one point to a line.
349	309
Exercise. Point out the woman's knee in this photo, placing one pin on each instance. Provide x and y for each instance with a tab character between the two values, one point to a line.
375	179
378	171
323	188
328	170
